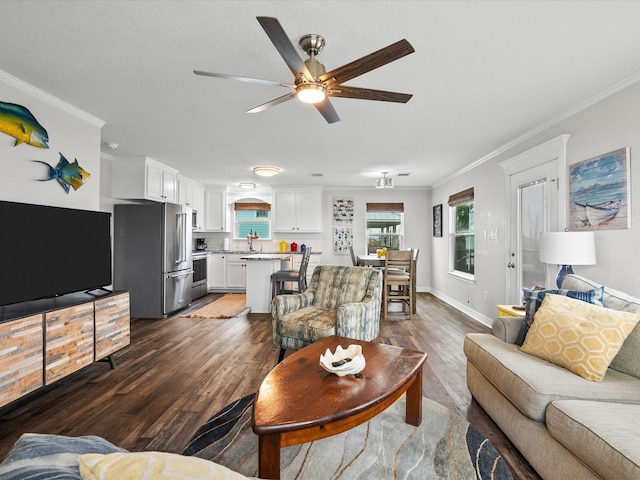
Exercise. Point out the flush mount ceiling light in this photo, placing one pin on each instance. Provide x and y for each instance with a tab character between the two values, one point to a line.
266	171
384	182
247	186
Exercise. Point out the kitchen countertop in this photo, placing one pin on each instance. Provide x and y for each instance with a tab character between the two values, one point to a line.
267	256
259	252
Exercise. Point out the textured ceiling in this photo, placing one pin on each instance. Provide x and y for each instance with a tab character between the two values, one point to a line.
483	73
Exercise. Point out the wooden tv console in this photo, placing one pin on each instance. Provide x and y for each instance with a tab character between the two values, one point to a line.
45	340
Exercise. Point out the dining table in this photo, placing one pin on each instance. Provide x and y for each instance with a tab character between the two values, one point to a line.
373	260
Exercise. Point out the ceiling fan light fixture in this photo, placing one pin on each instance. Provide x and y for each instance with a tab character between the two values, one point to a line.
266	170
310	92
384	182
247	186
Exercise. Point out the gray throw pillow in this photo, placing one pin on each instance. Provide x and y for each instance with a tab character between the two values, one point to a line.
41	457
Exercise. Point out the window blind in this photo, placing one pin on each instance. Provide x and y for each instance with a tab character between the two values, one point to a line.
465	196
385	207
259	206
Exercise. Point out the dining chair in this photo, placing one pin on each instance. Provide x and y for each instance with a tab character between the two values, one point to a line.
281	277
354	259
416	252
398	279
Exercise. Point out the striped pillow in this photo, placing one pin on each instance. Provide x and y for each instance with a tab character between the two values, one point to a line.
42	457
533	300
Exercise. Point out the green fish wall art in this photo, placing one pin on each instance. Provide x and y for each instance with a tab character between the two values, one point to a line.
19	123
68	175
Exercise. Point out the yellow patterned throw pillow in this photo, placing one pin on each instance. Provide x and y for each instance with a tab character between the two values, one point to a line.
151	465
578	336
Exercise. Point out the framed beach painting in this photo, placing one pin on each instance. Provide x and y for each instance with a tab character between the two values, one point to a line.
599	192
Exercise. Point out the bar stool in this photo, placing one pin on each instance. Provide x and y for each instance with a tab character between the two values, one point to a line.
279	278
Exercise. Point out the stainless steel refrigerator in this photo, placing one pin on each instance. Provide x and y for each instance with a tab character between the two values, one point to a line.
152	257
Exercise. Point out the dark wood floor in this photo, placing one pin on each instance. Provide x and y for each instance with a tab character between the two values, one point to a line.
178	371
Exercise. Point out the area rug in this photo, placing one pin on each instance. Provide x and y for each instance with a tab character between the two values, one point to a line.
230	305
444	446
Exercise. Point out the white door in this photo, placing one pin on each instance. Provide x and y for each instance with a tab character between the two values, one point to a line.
535	183
534	209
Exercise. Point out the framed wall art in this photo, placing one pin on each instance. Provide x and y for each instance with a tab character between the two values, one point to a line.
342	240
437	220
343	211
342	221
599	192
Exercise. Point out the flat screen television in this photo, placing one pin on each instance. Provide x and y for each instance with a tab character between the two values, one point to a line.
51	251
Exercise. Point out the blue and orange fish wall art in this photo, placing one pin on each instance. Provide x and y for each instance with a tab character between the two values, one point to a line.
68	175
18	122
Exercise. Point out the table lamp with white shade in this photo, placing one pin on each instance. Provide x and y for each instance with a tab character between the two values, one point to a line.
566	249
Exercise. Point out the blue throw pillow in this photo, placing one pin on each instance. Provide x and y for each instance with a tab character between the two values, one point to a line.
533	299
43	457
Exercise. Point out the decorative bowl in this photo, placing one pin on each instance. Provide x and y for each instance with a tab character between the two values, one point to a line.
343	362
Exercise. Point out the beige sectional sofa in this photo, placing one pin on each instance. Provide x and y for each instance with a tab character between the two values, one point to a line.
567	427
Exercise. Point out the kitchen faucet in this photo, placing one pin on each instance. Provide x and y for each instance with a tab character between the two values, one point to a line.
250	238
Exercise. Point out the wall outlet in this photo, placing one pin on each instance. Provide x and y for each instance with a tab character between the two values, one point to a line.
486	296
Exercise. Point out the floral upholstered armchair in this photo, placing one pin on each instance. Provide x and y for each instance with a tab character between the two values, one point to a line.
340	300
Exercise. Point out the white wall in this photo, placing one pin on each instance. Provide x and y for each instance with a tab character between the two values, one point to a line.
417	224
490	237
72	132
605	126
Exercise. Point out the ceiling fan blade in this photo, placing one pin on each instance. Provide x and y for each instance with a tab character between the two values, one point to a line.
368	94
327	111
273	103
244	79
284	46
367	63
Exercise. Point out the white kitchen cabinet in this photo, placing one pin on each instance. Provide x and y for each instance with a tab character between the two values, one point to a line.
138	178
198	195
162	183
216	271
191	194
185	191
215	209
297	210
236	272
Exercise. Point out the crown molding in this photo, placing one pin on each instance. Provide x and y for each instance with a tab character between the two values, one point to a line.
607	92
50	99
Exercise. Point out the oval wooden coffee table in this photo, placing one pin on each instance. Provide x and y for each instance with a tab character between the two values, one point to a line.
300	402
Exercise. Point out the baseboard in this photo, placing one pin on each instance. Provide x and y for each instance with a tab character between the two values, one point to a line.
477	316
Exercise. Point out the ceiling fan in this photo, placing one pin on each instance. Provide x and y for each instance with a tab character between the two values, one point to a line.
312	83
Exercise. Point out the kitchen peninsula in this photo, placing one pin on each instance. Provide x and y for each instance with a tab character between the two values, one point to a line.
258	278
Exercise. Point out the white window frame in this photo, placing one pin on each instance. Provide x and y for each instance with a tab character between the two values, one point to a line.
399	233
453	235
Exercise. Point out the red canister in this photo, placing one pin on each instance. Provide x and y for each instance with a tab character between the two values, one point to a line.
294	247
